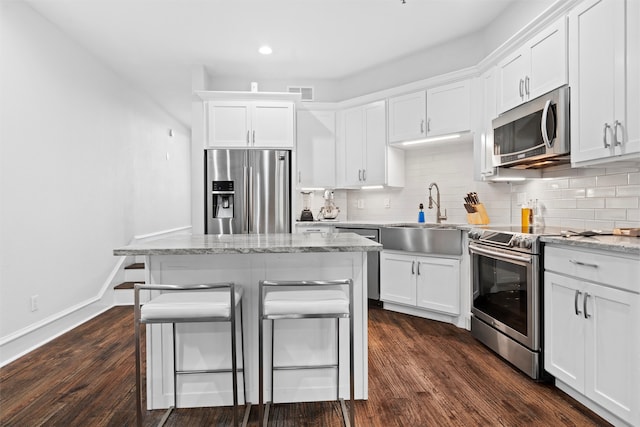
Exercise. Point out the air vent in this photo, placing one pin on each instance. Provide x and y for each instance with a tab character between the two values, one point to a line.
306	92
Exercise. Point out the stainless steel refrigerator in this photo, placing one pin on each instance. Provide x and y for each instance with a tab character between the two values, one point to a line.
248	191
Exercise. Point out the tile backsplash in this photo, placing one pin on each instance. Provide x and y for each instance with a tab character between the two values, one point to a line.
582	198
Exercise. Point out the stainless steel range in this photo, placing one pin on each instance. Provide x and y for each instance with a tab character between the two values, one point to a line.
507	294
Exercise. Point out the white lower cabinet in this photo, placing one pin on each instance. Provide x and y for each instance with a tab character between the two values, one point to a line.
429	283
592	330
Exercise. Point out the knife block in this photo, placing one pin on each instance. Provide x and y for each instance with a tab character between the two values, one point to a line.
479	217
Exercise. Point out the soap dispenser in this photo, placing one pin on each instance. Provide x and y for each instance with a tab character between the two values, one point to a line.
421	213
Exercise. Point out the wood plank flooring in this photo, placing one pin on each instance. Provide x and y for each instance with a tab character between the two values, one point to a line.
421	373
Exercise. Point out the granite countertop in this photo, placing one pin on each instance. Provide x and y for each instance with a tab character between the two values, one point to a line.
251	243
623	244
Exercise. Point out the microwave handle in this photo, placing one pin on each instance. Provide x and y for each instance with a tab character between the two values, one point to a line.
543	124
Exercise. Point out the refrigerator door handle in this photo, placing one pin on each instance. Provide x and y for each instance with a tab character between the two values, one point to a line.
245	215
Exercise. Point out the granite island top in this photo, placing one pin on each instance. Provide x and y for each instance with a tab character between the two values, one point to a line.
206	244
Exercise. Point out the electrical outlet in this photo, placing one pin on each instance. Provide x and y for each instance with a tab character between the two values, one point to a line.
34	302
387	203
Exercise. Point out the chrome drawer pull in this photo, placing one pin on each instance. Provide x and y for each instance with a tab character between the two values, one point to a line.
584	305
575	303
413	267
586	264
604	135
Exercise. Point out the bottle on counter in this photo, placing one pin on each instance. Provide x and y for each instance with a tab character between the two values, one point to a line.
421	213
526	218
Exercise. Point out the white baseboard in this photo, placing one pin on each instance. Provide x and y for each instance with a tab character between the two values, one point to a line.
23	341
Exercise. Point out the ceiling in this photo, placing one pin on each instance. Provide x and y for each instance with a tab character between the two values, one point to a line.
154	43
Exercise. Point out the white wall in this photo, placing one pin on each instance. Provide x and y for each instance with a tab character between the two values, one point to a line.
86	164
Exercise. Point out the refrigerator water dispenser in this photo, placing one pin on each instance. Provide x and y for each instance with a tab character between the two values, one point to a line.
222	199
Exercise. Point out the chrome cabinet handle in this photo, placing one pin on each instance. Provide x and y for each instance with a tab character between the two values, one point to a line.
585	264
418	267
247	137
617	125
422	126
413	267
359	174
526	85
584	305
520	88
254	137
575	303
604	135
429	124
543	124
364	174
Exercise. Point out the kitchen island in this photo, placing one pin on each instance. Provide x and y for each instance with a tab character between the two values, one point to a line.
245	260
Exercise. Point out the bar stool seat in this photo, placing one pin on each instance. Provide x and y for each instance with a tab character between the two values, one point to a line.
215	302
301	303
299	300
188	306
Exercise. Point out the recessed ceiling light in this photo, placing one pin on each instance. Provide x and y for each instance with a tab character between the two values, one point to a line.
265	50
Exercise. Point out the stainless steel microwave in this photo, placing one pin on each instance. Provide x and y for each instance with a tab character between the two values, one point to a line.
534	134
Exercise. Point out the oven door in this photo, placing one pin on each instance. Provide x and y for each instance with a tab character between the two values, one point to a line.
506	292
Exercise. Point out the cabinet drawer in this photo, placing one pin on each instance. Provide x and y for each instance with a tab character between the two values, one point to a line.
617	271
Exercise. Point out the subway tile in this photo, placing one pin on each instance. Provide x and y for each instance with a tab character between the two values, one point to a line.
616	179
634	178
573	193
601	192
592	203
621	202
633	215
599	225
628	191
610	214
582	182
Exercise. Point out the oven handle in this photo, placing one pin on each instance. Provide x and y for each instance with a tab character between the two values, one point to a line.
522	258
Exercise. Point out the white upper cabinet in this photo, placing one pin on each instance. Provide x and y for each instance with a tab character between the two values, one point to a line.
316	149
605	81
408	117
539	66
234	124
363	156
448	108
483	148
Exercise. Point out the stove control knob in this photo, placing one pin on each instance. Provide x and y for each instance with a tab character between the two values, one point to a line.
526	243
516	241
475	234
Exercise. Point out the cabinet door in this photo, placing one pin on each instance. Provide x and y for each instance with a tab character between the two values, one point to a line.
407	117
375	143
594	76
353	145
512	71
564	329
548	60
228	124
611	351
631	124
438	284
448	108
484	156
397	278
316	149
272	124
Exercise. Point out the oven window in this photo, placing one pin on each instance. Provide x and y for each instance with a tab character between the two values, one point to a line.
501	291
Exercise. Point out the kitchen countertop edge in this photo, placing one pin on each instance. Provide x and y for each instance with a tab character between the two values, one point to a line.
621	244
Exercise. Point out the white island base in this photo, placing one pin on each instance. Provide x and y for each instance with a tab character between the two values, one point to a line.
305	341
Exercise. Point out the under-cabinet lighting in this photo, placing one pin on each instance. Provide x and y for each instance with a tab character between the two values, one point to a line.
507	178
371	187
312	189
434	139
265	50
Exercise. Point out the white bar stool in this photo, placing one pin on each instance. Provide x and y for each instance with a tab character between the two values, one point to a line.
306	300
186	304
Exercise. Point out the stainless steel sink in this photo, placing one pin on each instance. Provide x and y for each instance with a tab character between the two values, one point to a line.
439	239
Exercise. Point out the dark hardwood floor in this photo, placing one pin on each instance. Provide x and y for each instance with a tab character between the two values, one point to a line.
421	373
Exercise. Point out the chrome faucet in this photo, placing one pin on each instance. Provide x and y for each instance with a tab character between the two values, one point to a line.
439	216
